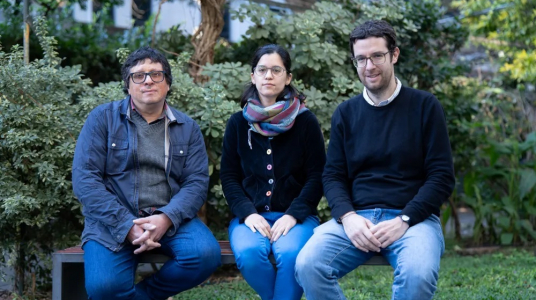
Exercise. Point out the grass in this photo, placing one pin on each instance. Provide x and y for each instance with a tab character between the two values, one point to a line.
509	274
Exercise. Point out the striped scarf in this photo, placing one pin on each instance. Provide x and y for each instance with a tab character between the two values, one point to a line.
274	119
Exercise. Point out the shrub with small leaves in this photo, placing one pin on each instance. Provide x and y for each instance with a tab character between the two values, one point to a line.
39	123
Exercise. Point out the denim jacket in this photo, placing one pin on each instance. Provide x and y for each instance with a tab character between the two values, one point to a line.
105	177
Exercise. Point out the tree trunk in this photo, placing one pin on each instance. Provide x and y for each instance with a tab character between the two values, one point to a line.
204	39
26	40
456	220
20	263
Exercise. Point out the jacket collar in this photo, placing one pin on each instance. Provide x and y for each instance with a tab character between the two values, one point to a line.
173	116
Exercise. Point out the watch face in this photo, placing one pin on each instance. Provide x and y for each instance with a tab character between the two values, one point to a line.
405	218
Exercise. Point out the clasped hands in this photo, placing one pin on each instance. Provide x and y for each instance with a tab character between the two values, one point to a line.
366	236
147	231
282	226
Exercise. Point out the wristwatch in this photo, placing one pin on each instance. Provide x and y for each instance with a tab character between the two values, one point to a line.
404	218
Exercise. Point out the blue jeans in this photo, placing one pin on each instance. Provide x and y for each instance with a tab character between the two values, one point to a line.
195	255
415	257
252	252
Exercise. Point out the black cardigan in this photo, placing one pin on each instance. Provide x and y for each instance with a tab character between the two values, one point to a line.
281	174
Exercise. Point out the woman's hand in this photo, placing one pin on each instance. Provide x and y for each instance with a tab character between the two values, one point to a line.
282	227
257	222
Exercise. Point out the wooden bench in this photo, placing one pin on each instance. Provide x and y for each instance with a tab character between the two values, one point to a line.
68	269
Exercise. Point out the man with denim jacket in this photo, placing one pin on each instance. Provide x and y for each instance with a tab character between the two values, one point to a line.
140	171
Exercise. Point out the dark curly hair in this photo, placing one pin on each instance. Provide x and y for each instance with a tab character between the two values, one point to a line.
374	28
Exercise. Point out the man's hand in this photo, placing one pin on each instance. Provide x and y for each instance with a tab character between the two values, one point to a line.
282	226
257	222
389	231
358	231
140	234
161	223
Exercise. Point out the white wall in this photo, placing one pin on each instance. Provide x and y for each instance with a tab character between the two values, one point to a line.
181	12
177	12
238	29
123	15
83	15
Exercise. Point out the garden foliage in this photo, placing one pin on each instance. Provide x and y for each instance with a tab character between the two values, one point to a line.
38	130
43	106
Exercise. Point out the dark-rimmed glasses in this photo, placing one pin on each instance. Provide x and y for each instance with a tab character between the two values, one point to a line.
276	71
139	77
376	59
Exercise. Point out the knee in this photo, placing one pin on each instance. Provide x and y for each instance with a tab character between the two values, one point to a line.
249	254
307	264
210	257
419	274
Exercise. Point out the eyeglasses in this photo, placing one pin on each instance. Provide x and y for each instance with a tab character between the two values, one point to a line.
139	77
276	71
375	59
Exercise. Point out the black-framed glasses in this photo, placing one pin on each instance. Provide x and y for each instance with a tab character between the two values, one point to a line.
276	71
375	59
139	77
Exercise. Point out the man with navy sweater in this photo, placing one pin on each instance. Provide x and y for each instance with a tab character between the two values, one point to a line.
388	170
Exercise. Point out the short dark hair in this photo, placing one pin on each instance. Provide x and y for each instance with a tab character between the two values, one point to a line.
250	90
141	55
374	28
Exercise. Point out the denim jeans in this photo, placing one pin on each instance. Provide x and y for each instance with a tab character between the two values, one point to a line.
252	252
195	255
415	257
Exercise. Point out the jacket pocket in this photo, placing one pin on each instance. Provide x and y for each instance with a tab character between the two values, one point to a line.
179	153
117	155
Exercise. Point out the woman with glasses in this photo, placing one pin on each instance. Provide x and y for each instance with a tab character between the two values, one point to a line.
271	167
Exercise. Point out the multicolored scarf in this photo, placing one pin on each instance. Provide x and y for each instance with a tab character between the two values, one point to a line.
274	119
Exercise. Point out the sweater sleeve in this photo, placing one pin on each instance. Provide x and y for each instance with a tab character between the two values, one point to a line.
335	176
231	174
315	158
438	165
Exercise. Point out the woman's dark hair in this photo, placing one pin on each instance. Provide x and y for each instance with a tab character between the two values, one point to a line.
250	90
141	55
374	28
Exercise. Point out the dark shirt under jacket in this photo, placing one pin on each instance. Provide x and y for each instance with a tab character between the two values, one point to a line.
281	174
396	156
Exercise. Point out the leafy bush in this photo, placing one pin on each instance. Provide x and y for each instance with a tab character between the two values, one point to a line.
38	128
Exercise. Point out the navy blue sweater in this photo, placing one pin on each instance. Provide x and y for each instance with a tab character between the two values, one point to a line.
282	174
396	156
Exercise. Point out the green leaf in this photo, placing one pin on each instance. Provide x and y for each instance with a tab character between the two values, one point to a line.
504	222
527	182
507	238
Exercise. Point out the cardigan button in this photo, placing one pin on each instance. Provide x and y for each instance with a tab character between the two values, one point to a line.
269	151
268	194
113	144
270	181
269	167
267	208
